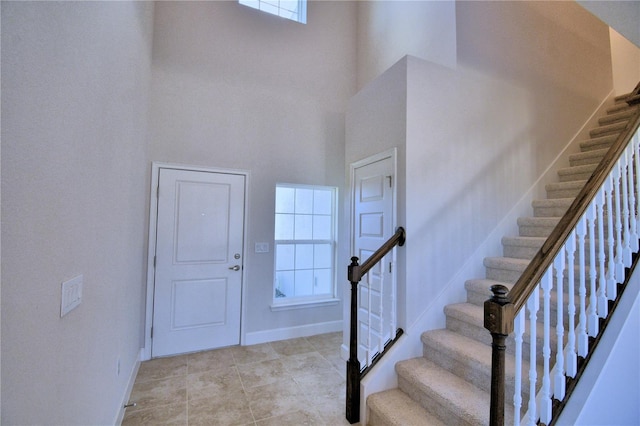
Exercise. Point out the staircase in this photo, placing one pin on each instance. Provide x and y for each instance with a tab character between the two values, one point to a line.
450	383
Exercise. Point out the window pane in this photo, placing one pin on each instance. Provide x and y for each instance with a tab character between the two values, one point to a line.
269	8
304	283
285	284
322	256
323	282
285	257
303	227
251	3
285	200
304	256
284	227
322	201
289	6
322	227
304	201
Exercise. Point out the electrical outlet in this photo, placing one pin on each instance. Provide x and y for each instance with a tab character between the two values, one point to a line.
71	295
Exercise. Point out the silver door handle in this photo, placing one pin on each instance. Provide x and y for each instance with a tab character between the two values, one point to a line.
235	268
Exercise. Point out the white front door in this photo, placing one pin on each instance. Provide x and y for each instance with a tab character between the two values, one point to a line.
199	258
373	225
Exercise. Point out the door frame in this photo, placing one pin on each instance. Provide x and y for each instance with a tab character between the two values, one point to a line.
151	248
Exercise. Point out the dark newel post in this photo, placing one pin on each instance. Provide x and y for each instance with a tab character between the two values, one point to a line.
498	319
353	365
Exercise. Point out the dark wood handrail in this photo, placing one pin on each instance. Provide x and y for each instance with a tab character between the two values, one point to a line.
397	239
543	259
355	274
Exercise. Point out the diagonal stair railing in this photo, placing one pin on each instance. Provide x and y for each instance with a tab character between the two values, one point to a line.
584	260
382	331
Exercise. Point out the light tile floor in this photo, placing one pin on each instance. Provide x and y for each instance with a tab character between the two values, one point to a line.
291	382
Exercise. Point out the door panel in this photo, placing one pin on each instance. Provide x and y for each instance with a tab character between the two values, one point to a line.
373	226
198	288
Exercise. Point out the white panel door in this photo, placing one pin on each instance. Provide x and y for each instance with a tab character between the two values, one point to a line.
373	226
199	250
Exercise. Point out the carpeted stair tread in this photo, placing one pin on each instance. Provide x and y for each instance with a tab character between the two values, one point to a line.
564	189
478	289
521	247
467	319
602	142
587	157
551	207
465	357
617	107
621	98
608	129
533	226
395	408
583	172
509	263
621	115
509	270
446	395
620	106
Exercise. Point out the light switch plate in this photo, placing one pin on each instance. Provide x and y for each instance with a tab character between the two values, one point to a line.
71	295
262	247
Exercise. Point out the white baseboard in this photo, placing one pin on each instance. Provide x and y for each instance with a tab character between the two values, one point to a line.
256	337
127	394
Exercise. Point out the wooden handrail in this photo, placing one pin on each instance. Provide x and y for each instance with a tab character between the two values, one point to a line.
397	239
355	274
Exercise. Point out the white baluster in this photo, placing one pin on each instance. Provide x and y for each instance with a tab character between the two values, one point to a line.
635	141
394	296
533	304
611	265
592	320
382	313
633	212
626	247
572	358
602	281
583	341
618	216
559	381
518	330
545	393
370	352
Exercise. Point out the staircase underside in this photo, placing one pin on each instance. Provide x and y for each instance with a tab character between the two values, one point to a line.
450	383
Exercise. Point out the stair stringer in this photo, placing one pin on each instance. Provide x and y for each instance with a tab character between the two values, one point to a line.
383	376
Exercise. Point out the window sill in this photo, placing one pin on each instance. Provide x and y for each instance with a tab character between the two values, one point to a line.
304	304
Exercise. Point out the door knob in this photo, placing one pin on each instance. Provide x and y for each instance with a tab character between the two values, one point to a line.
235	268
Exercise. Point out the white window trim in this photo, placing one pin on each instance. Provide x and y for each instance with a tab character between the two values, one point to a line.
298	302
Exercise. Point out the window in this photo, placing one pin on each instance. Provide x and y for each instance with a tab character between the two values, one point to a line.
296	10
305	242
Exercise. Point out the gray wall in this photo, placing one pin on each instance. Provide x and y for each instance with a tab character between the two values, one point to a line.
75	82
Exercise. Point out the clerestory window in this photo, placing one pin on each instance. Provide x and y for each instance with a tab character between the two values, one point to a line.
296	10
305	243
